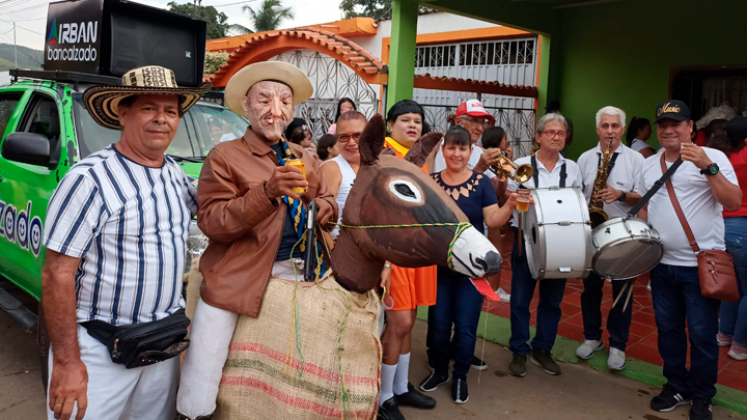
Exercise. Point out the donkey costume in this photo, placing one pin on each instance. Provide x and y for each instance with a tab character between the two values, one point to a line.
312	351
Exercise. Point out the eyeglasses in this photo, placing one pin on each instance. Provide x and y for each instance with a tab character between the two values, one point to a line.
344	138
484	122
552	134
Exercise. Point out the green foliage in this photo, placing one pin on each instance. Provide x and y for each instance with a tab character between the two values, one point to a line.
213	61
27	58
267	17
377	9
217	22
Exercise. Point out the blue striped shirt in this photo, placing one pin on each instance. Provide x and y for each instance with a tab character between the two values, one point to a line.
128	224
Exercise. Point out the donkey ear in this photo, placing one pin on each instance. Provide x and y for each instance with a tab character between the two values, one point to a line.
423	147
372	140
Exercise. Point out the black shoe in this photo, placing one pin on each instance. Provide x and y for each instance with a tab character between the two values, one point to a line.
459	392
668	400
390	411
415	398
478	364
518	365
701	409
543	359
433	381
180	416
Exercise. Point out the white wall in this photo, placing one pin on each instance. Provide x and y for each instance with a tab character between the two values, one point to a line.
427	24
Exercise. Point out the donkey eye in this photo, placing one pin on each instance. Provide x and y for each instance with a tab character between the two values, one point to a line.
405	190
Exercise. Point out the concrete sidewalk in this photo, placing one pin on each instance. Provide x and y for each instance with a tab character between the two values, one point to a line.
579	393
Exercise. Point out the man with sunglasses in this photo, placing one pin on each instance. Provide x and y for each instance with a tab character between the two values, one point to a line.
551	169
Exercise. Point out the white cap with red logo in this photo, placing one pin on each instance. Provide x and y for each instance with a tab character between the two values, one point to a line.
473	108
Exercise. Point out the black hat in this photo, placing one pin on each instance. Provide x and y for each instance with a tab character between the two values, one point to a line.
297	122
736	129
672	109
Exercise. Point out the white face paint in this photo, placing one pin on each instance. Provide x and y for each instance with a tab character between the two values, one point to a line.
405	190
474	255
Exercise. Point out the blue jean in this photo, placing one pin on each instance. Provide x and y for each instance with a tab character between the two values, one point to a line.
548	312
460	304
734	314
618	322
677	299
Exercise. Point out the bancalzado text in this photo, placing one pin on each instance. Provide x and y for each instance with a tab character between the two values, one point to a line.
16	228
73	33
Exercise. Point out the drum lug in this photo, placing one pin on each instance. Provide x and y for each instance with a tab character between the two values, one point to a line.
565	223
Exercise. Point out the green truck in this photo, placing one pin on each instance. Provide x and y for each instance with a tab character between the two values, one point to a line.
46	130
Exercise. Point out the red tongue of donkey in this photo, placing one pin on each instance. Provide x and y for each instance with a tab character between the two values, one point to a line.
485	289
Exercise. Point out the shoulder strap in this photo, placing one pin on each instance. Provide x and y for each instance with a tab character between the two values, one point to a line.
536	174
563	175
678	210
611	164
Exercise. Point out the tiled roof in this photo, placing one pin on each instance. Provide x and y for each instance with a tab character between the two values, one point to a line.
427	81
339	47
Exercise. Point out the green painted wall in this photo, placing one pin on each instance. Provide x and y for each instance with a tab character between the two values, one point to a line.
621	54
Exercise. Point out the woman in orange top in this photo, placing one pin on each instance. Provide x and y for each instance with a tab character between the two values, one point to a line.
410	288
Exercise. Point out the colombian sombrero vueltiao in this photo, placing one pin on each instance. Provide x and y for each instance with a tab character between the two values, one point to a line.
272	71
102	101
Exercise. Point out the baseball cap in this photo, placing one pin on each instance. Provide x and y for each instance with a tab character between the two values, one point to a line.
736	129
473	108
672	109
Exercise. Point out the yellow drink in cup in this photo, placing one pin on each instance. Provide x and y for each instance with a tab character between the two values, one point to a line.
522	203
298	163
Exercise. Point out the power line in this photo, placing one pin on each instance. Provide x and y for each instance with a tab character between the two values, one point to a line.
231	4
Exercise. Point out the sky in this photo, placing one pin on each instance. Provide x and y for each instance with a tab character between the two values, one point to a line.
30	16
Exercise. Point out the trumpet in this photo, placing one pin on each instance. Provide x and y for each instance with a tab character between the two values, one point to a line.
521	173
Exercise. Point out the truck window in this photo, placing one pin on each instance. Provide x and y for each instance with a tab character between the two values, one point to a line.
93	137
8	103
216	124
41	117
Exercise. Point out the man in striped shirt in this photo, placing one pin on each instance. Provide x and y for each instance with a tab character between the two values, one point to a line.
116	238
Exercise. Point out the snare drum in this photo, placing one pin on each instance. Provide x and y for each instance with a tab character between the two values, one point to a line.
557	234
625	248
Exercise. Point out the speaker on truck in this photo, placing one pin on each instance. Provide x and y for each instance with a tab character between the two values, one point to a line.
111	37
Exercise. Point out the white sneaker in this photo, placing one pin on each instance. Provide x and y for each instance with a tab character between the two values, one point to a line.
505	297
616	360
588	347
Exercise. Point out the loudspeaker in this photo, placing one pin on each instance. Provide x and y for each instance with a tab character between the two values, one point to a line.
137	41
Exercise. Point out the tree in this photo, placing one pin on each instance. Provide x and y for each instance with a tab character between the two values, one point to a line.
217	22
267	17
213	61
377	9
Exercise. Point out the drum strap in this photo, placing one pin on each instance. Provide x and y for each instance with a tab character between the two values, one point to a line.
563	174
612	162
656	187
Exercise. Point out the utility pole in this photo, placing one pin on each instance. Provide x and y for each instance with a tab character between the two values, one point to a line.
15	44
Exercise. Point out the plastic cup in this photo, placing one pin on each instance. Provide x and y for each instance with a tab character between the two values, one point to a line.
298	163
522	203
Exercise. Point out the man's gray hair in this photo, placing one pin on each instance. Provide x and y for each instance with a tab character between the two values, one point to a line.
611	111
550	118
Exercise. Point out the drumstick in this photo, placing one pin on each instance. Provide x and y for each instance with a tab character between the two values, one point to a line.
521	233
622	292
630	293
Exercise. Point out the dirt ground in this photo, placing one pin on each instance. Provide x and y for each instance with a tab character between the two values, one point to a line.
580	393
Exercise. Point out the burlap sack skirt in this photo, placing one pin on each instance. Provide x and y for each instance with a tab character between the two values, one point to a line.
312	353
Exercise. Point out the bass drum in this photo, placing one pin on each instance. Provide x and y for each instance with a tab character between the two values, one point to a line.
557	234
625	248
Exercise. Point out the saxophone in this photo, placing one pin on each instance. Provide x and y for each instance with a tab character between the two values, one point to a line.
597	215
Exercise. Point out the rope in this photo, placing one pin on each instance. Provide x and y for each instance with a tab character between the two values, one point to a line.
461	227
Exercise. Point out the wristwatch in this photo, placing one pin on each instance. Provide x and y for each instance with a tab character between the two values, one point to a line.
623	196
710	170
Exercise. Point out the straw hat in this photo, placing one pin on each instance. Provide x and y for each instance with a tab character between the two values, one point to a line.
102	101
272	71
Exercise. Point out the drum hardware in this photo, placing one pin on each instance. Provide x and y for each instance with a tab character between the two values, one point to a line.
558	241
627	247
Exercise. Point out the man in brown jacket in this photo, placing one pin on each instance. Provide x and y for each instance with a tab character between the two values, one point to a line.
248	210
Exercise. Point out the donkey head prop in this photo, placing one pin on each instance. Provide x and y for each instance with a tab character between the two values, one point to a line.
427	227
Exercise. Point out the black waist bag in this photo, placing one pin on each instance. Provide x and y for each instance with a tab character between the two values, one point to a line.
143	344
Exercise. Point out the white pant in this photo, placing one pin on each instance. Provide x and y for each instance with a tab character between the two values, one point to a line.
117	393
210	337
